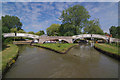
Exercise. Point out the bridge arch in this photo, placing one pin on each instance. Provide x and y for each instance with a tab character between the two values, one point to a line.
79	40
92	36
49	40
65	40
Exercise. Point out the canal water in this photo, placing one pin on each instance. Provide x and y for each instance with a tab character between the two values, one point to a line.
82	61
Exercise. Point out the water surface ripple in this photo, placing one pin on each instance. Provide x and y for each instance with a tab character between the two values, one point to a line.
80	62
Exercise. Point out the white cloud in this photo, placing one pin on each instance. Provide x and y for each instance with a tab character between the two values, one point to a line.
59	0
15	0
38	16
58	13
58	20
60	6
26	27
74	0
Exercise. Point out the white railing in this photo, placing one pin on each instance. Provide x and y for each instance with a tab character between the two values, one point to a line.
60	37
90	35
8	34
20	35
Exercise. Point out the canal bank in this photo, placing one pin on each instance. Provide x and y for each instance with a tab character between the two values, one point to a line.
81	61
57	47
109	50
9	57
7	64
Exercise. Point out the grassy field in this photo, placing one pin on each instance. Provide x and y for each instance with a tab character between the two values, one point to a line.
108	48
57	46
8	54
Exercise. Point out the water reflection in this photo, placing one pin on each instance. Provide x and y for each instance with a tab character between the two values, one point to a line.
82	61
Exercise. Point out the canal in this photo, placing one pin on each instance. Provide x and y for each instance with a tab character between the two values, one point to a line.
80	62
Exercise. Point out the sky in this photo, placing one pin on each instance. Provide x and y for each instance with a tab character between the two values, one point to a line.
37	16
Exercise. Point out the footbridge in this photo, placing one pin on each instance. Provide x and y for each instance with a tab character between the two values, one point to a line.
92	36
20	35
69	39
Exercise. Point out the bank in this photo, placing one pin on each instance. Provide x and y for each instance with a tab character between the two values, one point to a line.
57	47
9	56
108	49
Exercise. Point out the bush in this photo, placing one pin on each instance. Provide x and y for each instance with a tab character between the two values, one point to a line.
8	40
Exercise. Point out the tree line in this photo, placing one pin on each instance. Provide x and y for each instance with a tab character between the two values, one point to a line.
74	20
12	24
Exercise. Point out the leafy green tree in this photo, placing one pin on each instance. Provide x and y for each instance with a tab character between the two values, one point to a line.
11	22
105	33
39	33
68	30
21	31
31	32
93	27
113	31
53	30
13	30
77	16
5	29
118	32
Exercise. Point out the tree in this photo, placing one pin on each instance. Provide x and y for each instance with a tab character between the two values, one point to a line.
5	29
31	32
13	30
68	30
11	22
76	16
39	33
53	30
118	32
21	31
93	27
113	31
105	33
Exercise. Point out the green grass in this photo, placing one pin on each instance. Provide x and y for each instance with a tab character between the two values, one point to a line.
57	46
115	44
8	54
108	48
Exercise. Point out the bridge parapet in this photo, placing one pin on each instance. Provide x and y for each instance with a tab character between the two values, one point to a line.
100	36
27	35
20	35
114	40
82	35
8	34
55	37
90	35
67	38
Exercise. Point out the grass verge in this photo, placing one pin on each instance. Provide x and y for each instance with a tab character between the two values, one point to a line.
10	52
62	48
108	48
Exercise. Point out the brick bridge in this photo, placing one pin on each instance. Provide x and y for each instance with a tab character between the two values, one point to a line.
69	39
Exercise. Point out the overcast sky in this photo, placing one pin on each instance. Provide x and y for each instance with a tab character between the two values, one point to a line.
37	16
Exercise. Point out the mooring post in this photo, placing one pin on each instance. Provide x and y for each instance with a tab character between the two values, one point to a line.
109	40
